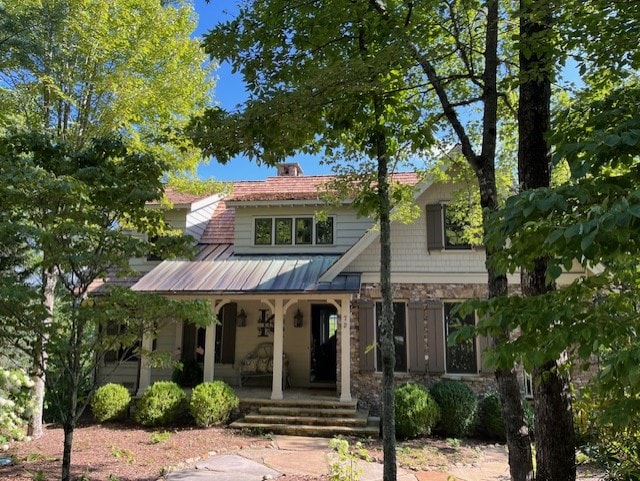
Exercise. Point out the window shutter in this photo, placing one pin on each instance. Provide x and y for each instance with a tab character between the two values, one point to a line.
188	342
435	337
366	335
483	343
228	315
434	227
415	337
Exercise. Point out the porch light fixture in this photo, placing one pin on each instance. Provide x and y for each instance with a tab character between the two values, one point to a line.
241	318
297	319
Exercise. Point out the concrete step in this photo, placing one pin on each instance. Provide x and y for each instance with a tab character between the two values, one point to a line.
370	430
299	403
308	411
358	420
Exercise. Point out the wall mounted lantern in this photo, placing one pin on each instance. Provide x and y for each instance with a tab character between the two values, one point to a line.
297	319
241	318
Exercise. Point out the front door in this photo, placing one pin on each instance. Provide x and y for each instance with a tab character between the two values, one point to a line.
324	326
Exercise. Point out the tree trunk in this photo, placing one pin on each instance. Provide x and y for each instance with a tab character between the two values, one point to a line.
386	323
66	454
518	438
555	454
49	280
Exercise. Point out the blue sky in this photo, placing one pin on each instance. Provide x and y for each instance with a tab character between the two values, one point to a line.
229	92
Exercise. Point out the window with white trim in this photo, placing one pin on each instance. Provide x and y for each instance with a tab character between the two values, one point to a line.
303	230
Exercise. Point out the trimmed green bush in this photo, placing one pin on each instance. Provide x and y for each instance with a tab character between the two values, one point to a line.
491	421
458	406
416	411
162	403
211	403
110	402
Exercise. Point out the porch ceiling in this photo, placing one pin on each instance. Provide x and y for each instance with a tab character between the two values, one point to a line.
247	274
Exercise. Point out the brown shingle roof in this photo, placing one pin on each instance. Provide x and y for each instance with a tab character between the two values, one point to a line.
181	198
295	188
220	229
280	188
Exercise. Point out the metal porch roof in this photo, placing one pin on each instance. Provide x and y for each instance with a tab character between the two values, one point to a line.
254	274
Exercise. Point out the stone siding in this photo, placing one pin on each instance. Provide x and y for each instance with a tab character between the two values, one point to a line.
367	386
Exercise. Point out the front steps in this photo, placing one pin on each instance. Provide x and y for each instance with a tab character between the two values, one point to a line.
307	417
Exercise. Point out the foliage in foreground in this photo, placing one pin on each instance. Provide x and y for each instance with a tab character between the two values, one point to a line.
211	403
609	431
110	402
458	406
344	462
161	404
15	403
416	411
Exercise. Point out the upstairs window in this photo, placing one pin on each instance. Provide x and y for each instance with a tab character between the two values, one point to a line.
292	231
262	231
283	231
304	230
444	229
324	231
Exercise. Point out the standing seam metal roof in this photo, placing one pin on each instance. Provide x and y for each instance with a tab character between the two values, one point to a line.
251	274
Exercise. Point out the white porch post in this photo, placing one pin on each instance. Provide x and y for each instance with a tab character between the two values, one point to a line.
209	353
278	349
145	368
345	350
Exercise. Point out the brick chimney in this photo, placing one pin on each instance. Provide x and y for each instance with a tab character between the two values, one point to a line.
289	170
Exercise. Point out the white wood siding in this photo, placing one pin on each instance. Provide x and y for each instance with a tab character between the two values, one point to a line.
347	229
196	221
409	253
165	342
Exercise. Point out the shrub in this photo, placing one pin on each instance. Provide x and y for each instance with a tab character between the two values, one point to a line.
16	402
458	406
212	402
110	402
491	422
187	374
490	417
162	403
416	411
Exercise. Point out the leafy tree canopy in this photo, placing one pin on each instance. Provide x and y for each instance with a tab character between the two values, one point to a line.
85	69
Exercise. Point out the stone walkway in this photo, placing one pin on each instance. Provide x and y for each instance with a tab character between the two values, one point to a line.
300	456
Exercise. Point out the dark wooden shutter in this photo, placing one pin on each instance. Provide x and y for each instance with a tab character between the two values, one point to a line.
434	227
229	322
483	343
435	337
188	342
415	337
366	329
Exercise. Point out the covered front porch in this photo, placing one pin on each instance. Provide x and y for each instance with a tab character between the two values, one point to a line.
306	324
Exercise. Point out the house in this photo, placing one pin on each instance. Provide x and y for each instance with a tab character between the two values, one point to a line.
274	269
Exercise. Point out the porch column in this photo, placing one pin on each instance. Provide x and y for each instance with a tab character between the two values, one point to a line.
278	349
209	352
145	367
345	350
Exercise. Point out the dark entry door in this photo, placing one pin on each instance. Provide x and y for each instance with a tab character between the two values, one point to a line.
324	326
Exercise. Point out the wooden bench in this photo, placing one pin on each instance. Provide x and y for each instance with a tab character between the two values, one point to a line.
259	364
